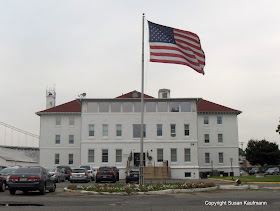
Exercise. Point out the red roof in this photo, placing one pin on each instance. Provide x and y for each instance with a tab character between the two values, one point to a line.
137	95
207	106
72	106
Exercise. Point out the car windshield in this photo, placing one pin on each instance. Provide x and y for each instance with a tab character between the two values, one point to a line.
51	170
8	170
134	170
270	169
105	169
28	170
255	168
85	167
78	171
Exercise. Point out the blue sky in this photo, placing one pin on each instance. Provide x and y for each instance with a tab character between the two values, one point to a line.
95	47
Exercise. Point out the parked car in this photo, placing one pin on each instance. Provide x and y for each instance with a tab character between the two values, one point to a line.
272	171
79	174
117	171
33	178
106	173
7	172
66	170
3	184
242	172
132	175
254	170
57	174
90	171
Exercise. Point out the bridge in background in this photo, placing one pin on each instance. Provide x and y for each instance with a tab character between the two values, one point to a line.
13	137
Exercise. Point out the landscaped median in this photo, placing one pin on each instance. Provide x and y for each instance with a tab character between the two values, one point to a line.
149	189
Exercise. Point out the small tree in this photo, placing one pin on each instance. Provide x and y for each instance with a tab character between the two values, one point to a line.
262	153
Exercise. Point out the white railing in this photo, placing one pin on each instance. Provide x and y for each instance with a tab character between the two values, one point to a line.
12	136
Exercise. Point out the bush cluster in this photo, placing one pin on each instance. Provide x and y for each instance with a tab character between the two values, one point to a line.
129	188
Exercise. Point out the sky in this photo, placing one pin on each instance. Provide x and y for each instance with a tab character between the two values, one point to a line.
95	47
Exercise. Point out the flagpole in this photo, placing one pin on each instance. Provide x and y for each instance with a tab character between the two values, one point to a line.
141	176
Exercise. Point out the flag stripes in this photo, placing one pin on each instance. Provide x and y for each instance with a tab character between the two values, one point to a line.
186	49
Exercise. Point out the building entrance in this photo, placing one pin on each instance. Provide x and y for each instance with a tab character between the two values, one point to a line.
137	159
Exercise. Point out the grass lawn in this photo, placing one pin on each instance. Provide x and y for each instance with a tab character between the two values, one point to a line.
244	179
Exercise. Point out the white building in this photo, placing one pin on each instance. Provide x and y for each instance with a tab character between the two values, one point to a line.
191	134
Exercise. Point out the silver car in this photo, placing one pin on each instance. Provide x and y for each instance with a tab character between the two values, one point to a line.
57	174
79	174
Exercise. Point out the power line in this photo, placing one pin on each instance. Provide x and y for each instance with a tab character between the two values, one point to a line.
19	130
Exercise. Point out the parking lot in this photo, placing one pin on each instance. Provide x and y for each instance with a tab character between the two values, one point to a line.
61	200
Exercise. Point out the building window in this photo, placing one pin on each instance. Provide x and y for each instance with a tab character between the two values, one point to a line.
118	155
58	120
56	159
187	130
220	138
173	155
219	120
71	120
188	174
71	158
116	107
188	155
185	106
91	130
71	139
173	130
118	130
105	155
105	130
206	120
159	129
174	106
221	157
206	138
137	129
104	107
207	157
127	107
150	107
159	155
162	106
57	139
137	107
91	155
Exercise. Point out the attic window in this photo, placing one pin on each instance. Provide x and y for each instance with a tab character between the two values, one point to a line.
134	94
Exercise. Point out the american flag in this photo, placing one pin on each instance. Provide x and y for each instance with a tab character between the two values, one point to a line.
170	45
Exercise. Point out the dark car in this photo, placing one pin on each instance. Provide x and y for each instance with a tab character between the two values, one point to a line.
132	175
66	170
3	184
6	173
117	171
106	173
31	179
254	170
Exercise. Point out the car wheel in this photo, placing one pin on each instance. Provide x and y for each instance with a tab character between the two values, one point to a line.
3	187
63	179
97	181
12	191
25	191
53	188
43	190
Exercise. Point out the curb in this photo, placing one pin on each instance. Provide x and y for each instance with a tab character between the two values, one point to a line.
230	181
241	187
162	192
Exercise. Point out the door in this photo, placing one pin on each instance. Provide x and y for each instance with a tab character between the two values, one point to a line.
137	159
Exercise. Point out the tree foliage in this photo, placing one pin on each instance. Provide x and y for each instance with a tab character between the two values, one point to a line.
262	152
